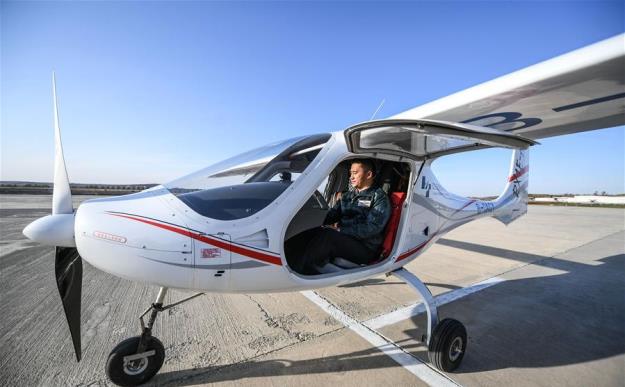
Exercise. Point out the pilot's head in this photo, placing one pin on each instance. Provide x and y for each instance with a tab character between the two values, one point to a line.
361	173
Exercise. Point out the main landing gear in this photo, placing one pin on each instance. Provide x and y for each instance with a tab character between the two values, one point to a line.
136	360
447	339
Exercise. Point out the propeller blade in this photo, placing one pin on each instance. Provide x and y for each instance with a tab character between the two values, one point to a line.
61	193
68	270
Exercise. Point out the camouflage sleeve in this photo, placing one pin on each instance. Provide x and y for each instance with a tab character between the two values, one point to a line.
375	222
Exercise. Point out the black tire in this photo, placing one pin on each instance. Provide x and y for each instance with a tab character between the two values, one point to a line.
448	345
139	371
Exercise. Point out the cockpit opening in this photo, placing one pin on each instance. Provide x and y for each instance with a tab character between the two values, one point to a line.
391	177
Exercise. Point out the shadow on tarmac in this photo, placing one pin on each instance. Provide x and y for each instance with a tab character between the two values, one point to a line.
367	359
371	282
382	281
543	321
572	315
520	256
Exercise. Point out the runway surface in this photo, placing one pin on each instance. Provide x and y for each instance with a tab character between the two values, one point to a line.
543	301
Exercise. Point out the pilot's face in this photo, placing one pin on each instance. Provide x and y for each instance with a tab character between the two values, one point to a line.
360	178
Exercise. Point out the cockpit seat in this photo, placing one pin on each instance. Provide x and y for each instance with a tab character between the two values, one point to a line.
397	200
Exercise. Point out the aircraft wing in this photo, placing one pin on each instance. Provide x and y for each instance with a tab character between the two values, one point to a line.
578	91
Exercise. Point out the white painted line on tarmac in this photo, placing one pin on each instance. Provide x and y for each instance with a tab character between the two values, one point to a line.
413	365
418	308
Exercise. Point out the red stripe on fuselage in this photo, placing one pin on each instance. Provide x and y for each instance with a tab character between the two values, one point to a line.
215	242
519	174
467	205
414	250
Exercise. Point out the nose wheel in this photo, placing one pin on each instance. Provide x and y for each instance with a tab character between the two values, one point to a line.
126	366
136	360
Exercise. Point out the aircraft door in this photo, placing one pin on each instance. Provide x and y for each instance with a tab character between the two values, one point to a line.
426	139
212	261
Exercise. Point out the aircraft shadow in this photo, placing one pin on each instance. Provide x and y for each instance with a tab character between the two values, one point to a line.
520	256
382	281
573	315
360	360
371	282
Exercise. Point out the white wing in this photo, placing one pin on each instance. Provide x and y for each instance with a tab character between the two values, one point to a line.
581	90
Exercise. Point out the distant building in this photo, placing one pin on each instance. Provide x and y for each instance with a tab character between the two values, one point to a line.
584	199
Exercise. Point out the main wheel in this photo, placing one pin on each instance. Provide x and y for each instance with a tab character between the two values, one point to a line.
448	345
132	373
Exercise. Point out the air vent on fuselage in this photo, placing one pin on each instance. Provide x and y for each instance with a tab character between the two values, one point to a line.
258	239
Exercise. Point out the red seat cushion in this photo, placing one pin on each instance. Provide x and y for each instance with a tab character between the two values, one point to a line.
397	199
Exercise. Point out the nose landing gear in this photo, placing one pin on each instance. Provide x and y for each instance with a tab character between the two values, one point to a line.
136	360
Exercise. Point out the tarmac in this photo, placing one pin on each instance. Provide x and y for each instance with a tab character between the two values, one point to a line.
543	302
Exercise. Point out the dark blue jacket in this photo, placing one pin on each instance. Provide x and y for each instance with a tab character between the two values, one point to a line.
362	215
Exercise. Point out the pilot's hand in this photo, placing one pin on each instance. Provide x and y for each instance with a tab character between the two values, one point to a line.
336	198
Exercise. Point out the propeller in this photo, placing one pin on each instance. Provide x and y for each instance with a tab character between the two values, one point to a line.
68	270
61	192
58	230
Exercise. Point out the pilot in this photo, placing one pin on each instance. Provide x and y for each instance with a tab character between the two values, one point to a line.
354	225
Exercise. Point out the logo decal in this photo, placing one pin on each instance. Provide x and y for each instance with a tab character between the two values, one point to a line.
484	207
109	237
211	253
504	121
426	186
520	168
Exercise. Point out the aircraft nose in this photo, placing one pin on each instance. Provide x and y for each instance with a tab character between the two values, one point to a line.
52	230
124	221
89	216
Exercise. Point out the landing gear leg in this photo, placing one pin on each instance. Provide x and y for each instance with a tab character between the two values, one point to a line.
136	360
446	340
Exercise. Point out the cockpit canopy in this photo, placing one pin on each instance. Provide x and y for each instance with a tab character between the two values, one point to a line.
245	184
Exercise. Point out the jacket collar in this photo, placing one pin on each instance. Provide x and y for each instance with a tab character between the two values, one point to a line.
366	190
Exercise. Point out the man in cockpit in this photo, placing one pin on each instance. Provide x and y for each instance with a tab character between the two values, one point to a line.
354	225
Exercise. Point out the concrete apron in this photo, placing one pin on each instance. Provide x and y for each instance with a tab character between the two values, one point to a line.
555	320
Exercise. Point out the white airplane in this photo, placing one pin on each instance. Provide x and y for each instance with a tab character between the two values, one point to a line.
224	228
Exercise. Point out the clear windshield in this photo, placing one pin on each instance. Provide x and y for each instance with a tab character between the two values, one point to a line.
235	170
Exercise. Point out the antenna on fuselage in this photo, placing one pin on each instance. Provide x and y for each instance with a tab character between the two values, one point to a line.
378	109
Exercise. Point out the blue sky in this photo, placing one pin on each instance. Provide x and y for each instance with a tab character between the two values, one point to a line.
150	91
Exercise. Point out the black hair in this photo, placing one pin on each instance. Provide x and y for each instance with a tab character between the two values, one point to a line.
367	164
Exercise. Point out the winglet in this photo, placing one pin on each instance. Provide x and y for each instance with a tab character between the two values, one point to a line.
61	193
